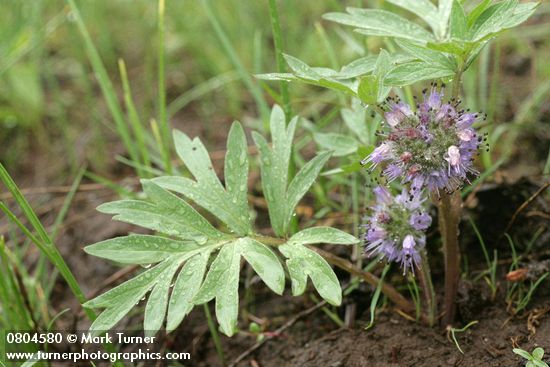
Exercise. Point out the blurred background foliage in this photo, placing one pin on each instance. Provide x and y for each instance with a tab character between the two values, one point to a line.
51	104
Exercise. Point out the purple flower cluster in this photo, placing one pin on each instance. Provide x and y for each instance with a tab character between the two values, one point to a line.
429	149
396	228
432	147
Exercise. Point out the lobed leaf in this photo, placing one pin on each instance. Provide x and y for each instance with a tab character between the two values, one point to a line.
444	9
230	205
322	235
121	299
186	287
459	22
155	310
236	173
301	184
412	72
375	22
424	9
355	119
302	263
430	57
139	249
222	279
163	212
222	283
281	196
338	144
368	89
500	16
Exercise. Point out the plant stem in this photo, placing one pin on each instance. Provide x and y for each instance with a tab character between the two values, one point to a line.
449	210
457	82
214	333
425	277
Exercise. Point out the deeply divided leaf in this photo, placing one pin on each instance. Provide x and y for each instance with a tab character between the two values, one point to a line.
281	196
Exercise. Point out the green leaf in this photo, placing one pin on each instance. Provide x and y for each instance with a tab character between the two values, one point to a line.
272	187
368	89
366	65
339	144
424	9
274	165
230	206
500	16
265	263
281	196
186	287
236	172
322	235
430	57
302	263
361	66
413	72
222	283
302	182
538	353
322	77
476	12
381	68
139	249
163	212
355	119
459	22
522	353
300	68
375	22
121	299
155	311
447	47
521	13
277	76
222	279
444	9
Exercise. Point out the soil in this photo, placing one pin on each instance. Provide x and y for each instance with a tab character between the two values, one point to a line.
315	340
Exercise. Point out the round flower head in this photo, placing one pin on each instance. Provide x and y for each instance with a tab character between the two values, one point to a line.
395	229
432	147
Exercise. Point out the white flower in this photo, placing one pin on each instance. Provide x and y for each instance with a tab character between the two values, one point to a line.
408	242
453	155
465	135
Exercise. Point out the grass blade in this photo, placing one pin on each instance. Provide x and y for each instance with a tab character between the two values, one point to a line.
104	83
281	65
133	117
162	118
253	88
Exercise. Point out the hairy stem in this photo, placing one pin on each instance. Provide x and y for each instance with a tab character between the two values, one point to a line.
425	278
449	209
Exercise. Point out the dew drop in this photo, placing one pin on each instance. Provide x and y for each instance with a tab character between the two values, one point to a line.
201	240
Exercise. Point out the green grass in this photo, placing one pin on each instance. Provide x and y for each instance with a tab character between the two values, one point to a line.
82	80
